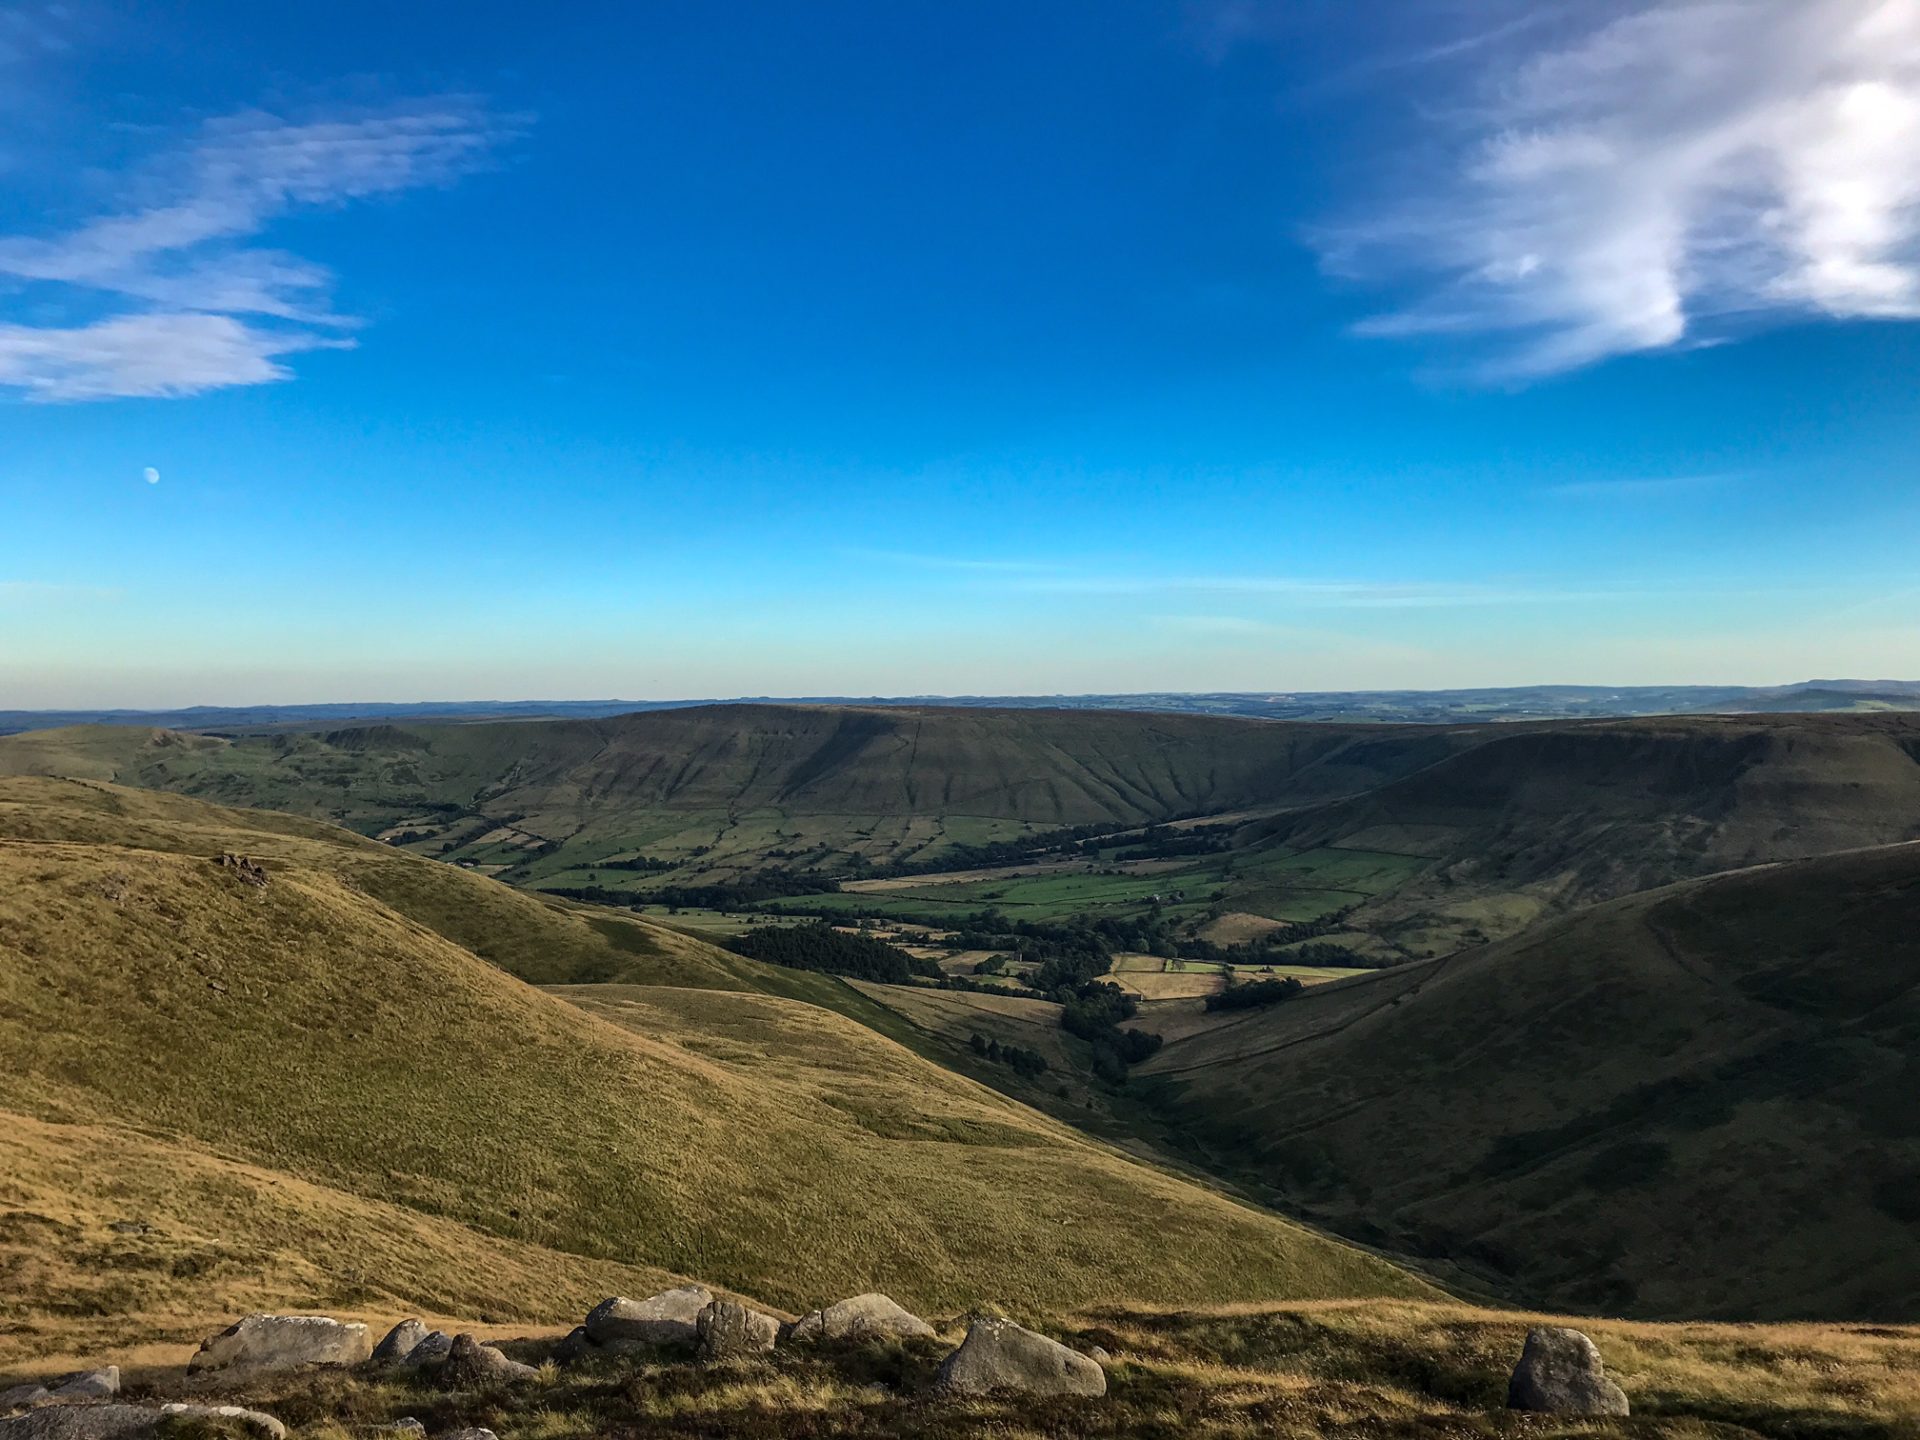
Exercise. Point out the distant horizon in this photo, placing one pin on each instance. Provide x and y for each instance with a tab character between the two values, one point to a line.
963	697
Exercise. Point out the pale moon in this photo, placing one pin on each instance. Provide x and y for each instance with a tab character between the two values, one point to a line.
151	475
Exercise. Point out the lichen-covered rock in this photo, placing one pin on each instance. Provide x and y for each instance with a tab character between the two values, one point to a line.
473	1432
669	1318
278	1342
864	1316
469	1363
1560	1373
729	1330
399	1342
1000	1355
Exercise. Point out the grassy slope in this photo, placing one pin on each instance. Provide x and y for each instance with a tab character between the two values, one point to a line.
1693	1101
756	1142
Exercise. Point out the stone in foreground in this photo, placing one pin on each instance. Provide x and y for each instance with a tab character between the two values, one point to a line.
1560	1373
258	1422
669	1318
869	1316
127	1422
430	1351
1000	1355
31	1393
731	1331
280	1342
400	1342
471	1363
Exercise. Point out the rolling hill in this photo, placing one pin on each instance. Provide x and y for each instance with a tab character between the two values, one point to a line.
1697	1100
717	789
264	1069
1536	820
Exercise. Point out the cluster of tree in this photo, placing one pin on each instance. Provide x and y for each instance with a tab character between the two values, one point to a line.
645	863
822	948
1030	1063
1269	990
772	883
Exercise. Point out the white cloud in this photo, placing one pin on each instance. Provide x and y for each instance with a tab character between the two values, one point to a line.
1669	176
200	304
165	355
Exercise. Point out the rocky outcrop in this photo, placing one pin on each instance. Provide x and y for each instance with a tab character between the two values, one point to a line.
471	1364
1000	1355
1560	1373
575	1345
279	1342
669	1318
869	1316
399	1342
729	1330
128	1422
31	1393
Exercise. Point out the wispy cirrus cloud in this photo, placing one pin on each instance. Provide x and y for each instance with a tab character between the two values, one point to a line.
1667	176
194	302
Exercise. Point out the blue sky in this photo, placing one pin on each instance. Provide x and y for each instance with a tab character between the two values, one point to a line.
655	350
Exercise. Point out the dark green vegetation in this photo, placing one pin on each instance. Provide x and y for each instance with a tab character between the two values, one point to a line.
1700	1100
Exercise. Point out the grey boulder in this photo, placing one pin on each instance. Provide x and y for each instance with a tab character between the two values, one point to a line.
575	1345
258	1422
669	1318
126	1422
431	1350
863	1317
1000	1355
1560	1373
399	1343
31	1393
472	1432
279	1342
729	1330
469	1362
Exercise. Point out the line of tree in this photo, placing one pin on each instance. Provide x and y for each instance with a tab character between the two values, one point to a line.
1256	994
821	948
